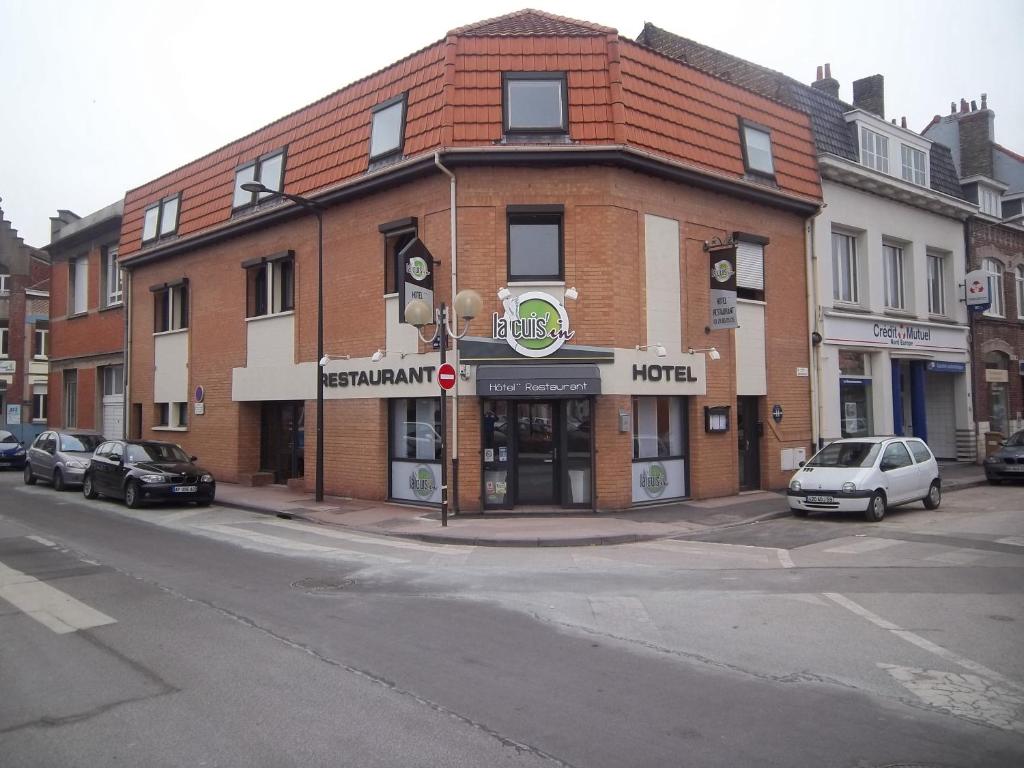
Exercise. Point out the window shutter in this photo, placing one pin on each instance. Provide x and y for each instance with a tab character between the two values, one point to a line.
750	265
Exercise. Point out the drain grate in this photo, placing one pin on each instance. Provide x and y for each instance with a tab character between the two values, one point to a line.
318	585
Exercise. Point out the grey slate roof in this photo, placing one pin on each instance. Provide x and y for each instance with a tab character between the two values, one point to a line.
832	134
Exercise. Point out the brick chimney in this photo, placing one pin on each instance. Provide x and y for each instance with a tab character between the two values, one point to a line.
61	220
977	134
869	95
827	83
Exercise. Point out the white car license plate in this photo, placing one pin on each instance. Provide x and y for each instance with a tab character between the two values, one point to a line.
184	489
1015	467
820	499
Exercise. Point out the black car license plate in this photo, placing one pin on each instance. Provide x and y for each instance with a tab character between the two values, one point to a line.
821	499
184	489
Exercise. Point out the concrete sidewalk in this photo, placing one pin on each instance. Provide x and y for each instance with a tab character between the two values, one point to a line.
533	530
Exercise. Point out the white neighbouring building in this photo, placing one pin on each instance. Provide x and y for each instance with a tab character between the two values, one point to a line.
889	265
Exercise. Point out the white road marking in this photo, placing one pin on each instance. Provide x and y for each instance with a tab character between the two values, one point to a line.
280	542
956	558
785	559
41	540
49	606
864	545
921	642
360	538
1016	541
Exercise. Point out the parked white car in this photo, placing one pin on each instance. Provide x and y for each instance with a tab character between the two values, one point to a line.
866	474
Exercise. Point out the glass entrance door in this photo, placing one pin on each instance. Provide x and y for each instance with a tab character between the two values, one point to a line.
282	438
536	476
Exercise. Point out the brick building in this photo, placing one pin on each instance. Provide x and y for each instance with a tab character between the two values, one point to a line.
585	185
87	322
992	177
24	298
891	331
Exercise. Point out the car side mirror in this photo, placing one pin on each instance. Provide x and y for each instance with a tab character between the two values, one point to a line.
193	458
115	457
801	463
1002	442
885	466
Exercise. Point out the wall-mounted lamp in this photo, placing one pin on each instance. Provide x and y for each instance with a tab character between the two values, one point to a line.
327	358
572	293
659	350
815	338
380	353
713	353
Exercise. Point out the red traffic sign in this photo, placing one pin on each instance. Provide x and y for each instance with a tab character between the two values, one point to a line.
446	376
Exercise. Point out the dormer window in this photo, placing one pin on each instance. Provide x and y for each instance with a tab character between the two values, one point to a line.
757	149
535	102
913	165
387	132
989	201
268	170
874	150
161	219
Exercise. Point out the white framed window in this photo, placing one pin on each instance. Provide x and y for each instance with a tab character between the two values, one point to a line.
845	278
113	380
1019	278
78	288
268	170
5	284
757	149
161	219
994	270
913	164
170	308
41	343
989	201
874	150
535	102
4	341
112	278
172	415
270	286
39	403
71	398
936	284
387	128
893	276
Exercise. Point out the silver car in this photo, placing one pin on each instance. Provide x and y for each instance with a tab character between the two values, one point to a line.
60	457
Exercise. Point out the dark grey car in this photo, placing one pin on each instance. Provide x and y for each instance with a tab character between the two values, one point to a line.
60	457
1007	463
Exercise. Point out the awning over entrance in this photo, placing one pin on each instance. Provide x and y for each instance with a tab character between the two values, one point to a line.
540	381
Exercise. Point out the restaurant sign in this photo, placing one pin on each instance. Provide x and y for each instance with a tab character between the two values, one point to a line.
534	324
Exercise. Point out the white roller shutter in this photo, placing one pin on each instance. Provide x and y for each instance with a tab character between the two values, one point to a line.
940	411
750	265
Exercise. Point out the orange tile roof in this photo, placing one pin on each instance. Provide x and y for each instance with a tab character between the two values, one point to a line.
620	93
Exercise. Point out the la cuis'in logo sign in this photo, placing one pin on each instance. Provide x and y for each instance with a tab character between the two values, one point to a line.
534	324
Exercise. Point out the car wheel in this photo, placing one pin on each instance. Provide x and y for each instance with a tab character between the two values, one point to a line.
876	507
88	490
58	481
204	503
934	497
994	481
30	479
131	495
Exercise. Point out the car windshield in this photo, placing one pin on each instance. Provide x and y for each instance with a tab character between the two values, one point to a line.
82	443
846	455
1016	440
155	452
7	437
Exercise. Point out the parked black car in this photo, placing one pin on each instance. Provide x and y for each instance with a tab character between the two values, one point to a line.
1007	463
145	470
12	452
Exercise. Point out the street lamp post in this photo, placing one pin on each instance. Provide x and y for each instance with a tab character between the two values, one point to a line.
318	211
467	305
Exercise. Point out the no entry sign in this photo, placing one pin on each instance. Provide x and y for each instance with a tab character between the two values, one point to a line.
446	376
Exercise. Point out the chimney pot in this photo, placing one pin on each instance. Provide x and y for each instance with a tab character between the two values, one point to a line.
984	101
952	107
819	73
974	106
963	106
903	122
828	70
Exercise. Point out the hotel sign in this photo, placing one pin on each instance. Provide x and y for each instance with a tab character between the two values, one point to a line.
723	289
534	324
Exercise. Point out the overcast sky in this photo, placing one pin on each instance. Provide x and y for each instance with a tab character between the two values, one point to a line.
100	96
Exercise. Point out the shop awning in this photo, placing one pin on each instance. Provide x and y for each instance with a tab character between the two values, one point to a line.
540	381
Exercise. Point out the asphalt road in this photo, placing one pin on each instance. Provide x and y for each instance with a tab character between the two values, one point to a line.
180	636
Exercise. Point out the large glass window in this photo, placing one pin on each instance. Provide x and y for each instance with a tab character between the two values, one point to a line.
757	150
913	164
161	219
112	280
387	128
893	277
534	245
874	150
71	398
270	287
1019	279
41	341
536	102
994	270
5	283
844	268
4	340
170	308
78	290
989	201
936	284
267	170
416	429
658	428
855	411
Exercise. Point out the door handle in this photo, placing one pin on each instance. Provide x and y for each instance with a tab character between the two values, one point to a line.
549	461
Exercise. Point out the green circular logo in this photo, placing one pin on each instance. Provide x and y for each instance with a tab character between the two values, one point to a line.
422	482
418	268
535	324
654	480
722	271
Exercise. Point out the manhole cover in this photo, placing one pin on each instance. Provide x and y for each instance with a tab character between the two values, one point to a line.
314	584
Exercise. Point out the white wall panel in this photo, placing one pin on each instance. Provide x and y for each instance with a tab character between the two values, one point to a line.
751	376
